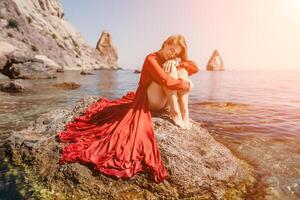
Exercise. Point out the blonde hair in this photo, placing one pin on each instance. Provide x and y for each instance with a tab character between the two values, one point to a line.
177	39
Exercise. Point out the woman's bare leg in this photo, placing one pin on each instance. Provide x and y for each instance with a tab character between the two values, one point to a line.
156	96
183	97
177	101
157	99
172	100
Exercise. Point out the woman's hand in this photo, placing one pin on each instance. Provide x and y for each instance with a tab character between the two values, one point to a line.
167	66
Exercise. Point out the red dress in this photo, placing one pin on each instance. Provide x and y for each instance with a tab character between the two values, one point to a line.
117	136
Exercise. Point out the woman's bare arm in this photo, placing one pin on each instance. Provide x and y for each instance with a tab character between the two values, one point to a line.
159	75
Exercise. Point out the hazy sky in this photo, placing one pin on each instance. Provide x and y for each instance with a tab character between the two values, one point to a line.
249	34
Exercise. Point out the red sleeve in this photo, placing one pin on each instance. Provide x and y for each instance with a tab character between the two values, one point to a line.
160	76
190	66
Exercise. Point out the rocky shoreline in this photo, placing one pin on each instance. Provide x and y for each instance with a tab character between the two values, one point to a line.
36	42
199	167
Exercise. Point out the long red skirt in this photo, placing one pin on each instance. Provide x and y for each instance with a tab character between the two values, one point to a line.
117	136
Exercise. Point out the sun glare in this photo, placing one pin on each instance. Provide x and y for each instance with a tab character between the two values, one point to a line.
291	9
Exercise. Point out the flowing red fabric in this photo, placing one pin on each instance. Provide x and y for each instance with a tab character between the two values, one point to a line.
117	135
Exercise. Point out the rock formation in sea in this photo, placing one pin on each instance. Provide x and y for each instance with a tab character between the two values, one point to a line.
215	62
85	72
137	71
199	167
67	85
44	40
12	86
107	50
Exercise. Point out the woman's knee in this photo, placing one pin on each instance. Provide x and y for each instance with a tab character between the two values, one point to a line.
173	72
181	93
183	73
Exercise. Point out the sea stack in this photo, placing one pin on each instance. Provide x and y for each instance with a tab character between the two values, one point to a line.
108	51
215	62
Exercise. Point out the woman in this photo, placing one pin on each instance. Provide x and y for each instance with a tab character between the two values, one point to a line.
174	49
117	135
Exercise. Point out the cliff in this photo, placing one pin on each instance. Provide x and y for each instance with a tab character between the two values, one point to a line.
37	28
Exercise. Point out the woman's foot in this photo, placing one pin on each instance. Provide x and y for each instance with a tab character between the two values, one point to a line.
187	123
186	119
177	119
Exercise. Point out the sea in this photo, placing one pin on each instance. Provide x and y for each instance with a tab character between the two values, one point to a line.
255	113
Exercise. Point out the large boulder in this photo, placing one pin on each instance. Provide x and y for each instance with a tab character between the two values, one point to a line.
48	62
5	49
21	64
199	167
12	87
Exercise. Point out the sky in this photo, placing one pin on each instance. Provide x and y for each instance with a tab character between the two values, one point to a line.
249	34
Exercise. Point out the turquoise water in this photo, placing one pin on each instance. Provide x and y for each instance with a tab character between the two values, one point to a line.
254	113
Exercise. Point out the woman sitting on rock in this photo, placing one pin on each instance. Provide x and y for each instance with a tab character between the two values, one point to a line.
168	88
117	135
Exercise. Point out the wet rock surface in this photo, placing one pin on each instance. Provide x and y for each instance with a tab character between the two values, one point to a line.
67	85
198	166
12	87
85	72
137	71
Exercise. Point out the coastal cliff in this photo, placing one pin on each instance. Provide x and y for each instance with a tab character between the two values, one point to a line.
198	166
34	33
